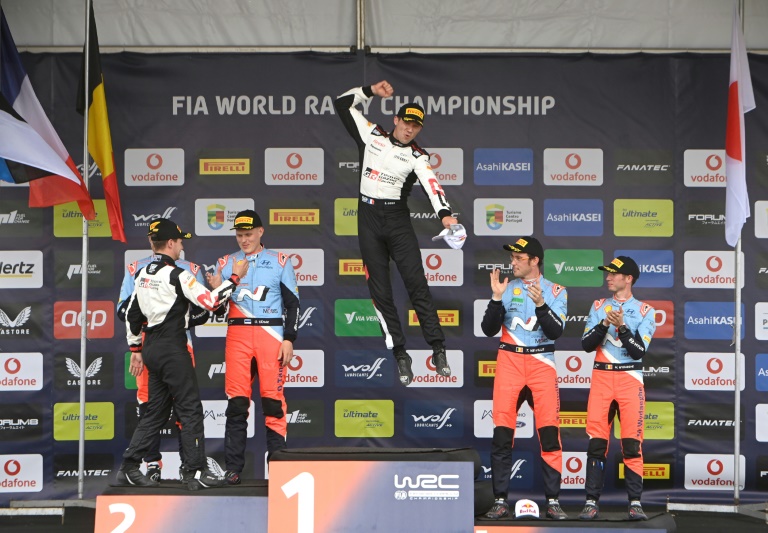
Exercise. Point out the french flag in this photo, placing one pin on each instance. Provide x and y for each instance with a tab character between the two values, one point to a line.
30	149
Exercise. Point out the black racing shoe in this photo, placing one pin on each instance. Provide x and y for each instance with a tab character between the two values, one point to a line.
590	511
440	361
404	367
499	510
205	479
554	511
232	477
636	511
132	477
154	469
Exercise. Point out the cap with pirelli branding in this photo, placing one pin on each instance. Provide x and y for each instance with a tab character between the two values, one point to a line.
526	245
412	113
164	229
622	265
247	219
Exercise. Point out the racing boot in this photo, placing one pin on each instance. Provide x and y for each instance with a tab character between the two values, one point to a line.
131	476
499	510
440	360
403	365
154	469
205	479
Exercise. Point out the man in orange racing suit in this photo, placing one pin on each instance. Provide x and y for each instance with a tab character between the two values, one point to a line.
259	340
620	329
532	311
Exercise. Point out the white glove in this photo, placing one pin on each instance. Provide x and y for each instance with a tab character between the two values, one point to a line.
454	236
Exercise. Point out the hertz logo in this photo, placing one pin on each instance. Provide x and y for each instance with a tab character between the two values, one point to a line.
650	471
351	267
447	317
573	419
297	217
486	369
225	166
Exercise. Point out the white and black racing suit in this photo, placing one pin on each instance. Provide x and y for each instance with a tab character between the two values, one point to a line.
388	171
160	305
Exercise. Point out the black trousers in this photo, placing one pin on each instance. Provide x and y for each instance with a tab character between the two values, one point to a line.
386	232
172	382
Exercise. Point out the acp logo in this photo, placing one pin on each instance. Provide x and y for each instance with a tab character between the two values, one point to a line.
99	318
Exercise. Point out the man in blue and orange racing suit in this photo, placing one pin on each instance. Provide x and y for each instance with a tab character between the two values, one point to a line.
620	329
198	316
390	165
259	339
532	311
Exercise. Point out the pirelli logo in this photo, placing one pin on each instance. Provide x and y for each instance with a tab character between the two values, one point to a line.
351	267
447	317
225	166
295	217
573	419
650	471
486	369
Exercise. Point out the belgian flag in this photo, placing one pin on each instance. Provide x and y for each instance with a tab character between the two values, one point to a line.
99	136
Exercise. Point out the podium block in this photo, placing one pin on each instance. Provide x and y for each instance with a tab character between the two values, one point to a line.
353	490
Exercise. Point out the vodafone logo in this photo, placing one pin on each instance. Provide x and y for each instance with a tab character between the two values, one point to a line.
714	162
433	261
573	363
573	464
296	363
715	467
294	160
429	364
12	467
12	366
715	365
714	263
296	261
435	160
573	161
154	161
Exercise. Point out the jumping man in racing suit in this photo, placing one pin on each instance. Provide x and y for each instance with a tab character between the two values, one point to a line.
160	306
198	316
390	164
533	313
259	341
620	329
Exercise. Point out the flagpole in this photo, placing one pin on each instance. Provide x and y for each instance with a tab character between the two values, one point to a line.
84	270
737	380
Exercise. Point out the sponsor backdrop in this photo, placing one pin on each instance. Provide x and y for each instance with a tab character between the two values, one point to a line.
582	151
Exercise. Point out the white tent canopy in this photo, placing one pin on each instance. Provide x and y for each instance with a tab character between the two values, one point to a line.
621	25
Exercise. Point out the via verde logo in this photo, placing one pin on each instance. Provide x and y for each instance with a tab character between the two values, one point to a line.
574	268
356	318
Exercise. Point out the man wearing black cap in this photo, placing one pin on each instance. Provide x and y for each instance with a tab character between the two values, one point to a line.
159	306
198	316
390	164
620	328
259	340
532	311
